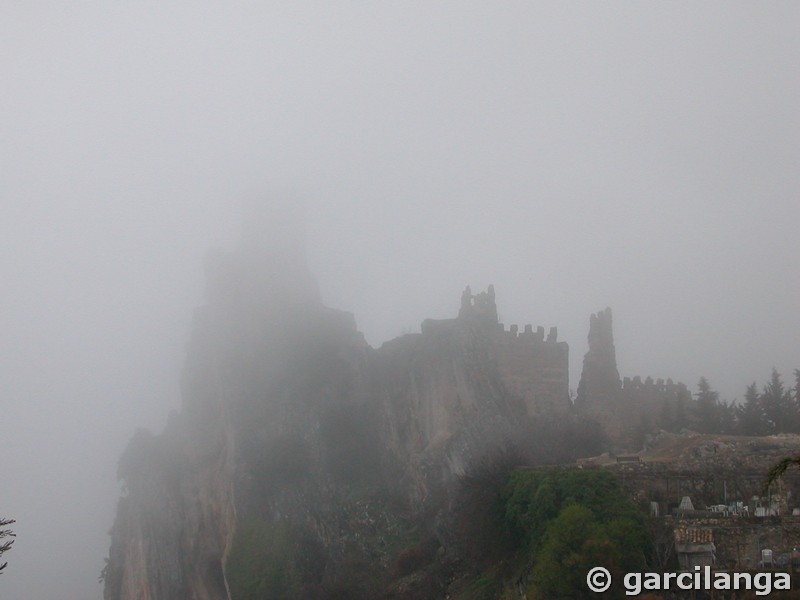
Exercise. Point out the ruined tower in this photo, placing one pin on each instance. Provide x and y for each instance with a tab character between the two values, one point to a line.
480	307
600	381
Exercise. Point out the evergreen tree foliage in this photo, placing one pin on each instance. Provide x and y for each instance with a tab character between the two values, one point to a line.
750	417
5	546
775	410
795	398
708	413
727	417
777	404
797	386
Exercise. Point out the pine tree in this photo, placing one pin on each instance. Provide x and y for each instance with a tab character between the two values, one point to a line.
726	417
750	416
5	546
795	403
707	413
777	403
797	385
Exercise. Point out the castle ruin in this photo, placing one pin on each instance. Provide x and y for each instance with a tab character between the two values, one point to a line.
531	365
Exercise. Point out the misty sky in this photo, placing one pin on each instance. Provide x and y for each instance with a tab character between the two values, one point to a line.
641	156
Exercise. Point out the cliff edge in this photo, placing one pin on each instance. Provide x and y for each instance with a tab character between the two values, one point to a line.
304	463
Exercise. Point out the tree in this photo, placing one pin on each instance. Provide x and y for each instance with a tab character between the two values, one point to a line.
777	405
5	546
576	541
750	416
727	417
795	394
573	544
707	413
779	468
568	521
797	385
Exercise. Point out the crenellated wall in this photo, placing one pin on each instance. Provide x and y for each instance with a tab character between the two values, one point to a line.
531	365
534	367
657	386
627	408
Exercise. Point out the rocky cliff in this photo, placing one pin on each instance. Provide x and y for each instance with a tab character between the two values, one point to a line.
305	463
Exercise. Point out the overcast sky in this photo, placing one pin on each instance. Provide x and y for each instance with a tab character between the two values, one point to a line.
641	156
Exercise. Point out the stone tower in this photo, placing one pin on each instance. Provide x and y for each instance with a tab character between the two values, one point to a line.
600	381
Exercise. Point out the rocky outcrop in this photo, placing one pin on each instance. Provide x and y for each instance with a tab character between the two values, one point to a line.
299	443
173	526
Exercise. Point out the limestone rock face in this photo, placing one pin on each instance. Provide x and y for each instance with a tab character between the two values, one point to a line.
292	425
173	526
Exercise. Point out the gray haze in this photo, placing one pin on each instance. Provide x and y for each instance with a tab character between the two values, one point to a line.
635	155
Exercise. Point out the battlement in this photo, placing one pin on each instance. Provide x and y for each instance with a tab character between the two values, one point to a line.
481	309
531	365
528	335
658	386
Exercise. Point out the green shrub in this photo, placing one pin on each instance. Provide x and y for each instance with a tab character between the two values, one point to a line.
570	521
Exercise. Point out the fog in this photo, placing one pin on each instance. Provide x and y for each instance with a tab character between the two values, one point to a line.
634	155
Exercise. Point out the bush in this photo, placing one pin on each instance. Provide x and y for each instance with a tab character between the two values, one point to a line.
570	521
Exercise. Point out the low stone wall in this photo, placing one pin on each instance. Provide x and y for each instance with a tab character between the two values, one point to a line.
739	541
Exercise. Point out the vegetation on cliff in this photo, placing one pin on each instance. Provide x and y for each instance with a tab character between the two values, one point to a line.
507	530
572	521
544	529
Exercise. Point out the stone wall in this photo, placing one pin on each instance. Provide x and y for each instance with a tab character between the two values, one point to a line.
737	538
706	486
626	409
738	542
532	366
